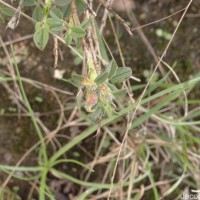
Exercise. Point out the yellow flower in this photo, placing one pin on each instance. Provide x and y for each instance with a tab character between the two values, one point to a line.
87	82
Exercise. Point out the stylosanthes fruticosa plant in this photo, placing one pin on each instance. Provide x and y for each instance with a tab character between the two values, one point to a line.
73	21
100	91
51	19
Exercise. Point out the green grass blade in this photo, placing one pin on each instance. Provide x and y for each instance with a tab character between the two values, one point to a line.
72	161
21	168
37	128
93	128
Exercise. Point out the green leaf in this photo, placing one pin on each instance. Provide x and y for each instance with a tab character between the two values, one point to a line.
80	5
1	19
66	11
56	13
62	2
86	23
102	46
38	13
68	39
77	79
112	87
77	31
41	37
29	2
97	113
122	74
101	77
7	11
121	92
113	68
54	25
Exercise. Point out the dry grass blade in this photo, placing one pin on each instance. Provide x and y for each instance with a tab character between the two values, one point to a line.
142	95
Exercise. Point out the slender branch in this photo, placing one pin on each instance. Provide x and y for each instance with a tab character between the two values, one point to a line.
109	8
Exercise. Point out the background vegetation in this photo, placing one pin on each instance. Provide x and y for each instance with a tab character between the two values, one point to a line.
99	99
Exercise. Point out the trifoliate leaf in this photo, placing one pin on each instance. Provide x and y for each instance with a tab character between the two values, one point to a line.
62	2
77	79
121	92
86	23
6	11
29	2
56	13
113	69
41	37
66	11
55	25
77	31
122	74
68	39
38	13
101	77
112	87
80	5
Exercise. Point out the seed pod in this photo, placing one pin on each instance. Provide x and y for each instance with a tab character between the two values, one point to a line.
91	100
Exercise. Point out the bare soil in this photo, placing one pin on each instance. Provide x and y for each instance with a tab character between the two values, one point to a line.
17	133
